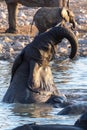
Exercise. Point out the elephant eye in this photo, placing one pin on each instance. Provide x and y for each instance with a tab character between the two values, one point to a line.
45	48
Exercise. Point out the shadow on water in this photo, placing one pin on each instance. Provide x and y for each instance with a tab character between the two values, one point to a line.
32	110
69	76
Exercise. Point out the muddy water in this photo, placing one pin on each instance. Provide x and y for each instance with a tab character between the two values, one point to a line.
69	76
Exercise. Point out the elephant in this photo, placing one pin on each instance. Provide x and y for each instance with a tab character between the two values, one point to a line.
80	124
48	17
31	80
12	9
74	109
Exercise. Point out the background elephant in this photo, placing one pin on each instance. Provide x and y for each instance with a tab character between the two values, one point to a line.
12	9
48	17
32	79
80	124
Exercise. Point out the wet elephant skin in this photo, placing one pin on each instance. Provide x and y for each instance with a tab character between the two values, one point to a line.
32	79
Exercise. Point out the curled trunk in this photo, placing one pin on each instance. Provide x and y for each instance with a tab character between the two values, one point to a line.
61	33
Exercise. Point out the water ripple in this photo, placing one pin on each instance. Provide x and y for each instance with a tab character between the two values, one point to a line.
70	77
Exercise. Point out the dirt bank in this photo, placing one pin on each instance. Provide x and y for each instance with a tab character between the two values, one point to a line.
12	44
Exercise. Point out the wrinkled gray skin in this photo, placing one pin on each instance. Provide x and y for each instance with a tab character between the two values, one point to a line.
12	9
74	109
80	124
32	79
48	17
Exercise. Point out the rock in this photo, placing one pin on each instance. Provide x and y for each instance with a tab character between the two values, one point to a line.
2	15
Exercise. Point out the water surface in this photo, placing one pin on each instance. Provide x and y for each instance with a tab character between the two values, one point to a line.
69	76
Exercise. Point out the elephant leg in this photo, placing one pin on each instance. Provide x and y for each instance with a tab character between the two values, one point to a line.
61	3
12	10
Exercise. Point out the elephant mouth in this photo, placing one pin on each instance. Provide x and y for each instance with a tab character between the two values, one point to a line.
40	78
42	88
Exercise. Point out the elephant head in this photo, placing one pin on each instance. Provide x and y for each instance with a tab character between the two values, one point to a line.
68	16
40	74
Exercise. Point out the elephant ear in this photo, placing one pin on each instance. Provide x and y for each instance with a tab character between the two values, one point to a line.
64	14
17	63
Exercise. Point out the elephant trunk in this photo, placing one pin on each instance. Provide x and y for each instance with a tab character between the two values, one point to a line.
61	33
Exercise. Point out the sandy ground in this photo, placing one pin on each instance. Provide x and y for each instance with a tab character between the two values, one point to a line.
22	37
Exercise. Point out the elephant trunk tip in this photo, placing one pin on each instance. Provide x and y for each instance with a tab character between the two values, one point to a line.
74	51
72	39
